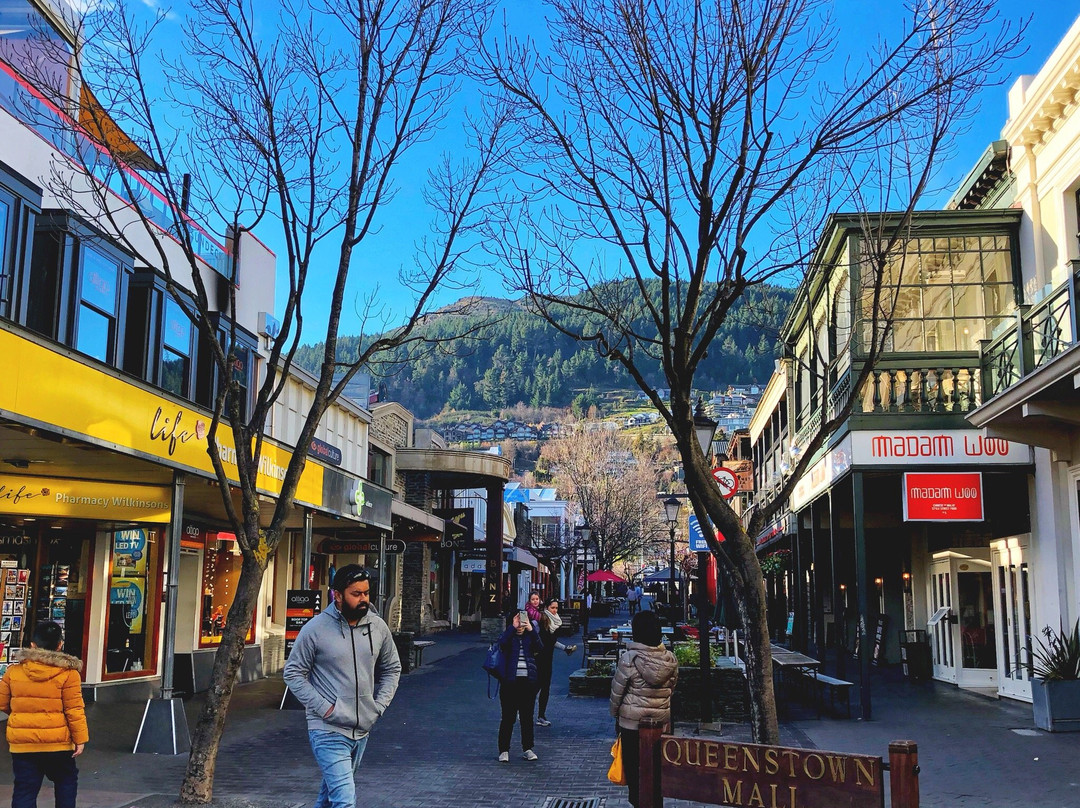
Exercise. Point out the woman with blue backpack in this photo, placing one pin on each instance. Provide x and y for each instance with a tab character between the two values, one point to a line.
517	674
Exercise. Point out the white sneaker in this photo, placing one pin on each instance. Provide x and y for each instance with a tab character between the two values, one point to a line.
529	755
542	722
504	757
570	649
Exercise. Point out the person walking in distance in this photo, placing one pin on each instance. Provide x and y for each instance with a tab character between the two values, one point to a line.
550	623
641	688
518	676
46	726
344	669
632	598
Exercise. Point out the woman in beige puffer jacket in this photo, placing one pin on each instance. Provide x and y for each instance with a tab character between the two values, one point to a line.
644	681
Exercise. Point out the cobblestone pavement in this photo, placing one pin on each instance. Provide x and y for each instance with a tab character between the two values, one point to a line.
436	747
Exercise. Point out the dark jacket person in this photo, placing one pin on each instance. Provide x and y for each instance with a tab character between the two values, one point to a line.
344	669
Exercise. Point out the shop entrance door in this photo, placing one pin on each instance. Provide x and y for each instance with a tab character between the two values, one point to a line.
1012	610
964	636
941	635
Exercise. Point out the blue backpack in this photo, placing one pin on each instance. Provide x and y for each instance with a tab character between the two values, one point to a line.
493	666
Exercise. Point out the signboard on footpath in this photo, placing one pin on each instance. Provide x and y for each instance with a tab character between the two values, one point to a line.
741	774
300	606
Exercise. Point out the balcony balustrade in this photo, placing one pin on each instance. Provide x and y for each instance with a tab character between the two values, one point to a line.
1041	332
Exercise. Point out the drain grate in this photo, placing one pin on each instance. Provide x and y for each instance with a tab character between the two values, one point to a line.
575	802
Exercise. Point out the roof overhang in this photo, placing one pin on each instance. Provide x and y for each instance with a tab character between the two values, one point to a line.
1042	409
450	468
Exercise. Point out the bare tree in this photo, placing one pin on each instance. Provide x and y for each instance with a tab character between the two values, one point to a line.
300	124
614	489
674	154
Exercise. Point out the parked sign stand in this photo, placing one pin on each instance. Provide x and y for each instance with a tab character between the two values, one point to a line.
717	772
300	606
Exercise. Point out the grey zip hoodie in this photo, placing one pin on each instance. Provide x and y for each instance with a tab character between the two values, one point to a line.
354	669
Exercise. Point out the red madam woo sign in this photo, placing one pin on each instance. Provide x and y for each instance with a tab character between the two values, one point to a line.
943	497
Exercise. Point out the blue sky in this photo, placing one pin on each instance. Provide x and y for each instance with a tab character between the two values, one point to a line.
404	222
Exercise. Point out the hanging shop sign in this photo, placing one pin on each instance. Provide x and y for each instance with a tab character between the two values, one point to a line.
744	473
697	540
366	546
460	525
300	606
322	450
935	448
943	497
84	499
480	565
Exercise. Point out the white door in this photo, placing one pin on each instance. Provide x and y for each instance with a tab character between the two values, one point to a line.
1012	610
941	634
963	640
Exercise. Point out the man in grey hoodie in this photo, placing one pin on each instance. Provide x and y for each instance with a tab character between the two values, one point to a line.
344	669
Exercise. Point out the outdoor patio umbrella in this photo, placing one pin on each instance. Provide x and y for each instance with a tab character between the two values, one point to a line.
604	575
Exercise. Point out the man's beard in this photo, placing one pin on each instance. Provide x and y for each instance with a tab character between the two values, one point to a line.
357	613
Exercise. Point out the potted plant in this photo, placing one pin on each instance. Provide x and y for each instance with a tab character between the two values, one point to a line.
1055	680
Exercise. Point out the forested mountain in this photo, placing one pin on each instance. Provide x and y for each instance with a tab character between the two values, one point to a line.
521	359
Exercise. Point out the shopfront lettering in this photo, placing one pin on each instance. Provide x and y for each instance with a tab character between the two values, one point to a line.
947	492
889	446
767	776
21	494
169	431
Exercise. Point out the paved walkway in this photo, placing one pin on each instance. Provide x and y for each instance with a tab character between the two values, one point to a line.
436	747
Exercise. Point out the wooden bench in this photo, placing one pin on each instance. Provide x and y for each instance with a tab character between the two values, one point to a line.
833	686
418	647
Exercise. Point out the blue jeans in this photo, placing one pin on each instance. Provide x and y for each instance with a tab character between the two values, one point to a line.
338	758
30	768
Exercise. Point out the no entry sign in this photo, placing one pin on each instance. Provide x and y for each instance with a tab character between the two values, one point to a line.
943	497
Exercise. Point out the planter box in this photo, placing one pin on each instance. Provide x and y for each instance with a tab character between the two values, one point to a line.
1056	705
595	686
730	695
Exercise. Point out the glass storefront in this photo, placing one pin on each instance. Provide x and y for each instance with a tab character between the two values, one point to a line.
220	576
134	564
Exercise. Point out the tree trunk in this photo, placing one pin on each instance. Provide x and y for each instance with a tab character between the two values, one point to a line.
198	785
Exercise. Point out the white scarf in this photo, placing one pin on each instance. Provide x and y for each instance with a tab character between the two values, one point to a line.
554	621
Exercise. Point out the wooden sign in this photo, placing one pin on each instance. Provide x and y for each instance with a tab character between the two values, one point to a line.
740	774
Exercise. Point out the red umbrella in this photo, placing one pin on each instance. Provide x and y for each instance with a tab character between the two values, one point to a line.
604	575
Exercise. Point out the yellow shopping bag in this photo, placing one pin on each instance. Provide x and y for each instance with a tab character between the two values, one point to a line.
616	774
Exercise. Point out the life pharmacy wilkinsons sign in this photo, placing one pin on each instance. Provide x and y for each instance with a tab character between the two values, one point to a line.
84	499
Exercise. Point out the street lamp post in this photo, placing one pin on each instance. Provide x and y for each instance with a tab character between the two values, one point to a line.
672	507
704	428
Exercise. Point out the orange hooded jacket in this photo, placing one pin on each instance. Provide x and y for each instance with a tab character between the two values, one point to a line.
42	695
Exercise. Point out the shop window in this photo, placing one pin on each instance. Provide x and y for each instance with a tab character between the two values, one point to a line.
379	467
96	314
77	287
221	576
130	638
176	350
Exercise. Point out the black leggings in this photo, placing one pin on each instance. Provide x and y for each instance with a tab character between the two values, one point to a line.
631	761
543	674
518	698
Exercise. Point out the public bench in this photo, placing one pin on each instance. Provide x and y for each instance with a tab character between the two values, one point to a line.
833	687
418	647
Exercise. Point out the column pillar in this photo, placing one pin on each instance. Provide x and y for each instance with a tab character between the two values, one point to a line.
491	612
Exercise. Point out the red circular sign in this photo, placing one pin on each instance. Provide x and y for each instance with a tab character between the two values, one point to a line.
728	482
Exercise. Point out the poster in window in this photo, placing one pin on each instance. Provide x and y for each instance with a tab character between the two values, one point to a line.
11	576
131	593
24	576
129	553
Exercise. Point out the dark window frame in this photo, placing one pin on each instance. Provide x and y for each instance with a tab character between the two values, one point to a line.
16	241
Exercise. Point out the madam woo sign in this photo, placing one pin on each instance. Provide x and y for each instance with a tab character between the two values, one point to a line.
942	497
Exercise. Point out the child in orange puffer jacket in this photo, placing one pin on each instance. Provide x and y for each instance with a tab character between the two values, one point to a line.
46	728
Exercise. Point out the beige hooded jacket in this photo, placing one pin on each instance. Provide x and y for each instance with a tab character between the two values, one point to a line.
644	681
